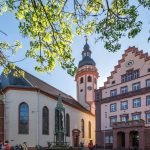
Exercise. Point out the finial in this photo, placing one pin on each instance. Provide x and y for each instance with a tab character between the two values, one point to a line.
86	38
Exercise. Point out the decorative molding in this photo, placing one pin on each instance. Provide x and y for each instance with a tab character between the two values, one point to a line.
125	95
130	49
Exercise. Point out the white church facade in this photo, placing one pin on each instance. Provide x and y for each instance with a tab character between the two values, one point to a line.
27	107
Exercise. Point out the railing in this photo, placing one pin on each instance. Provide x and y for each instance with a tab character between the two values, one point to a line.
132	123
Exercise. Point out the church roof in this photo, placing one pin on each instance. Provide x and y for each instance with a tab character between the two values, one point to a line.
29	81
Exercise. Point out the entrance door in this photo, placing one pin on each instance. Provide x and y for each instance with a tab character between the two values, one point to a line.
121	140
134	139
76	135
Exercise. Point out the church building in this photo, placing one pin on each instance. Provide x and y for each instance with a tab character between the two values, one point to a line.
123	104
27	107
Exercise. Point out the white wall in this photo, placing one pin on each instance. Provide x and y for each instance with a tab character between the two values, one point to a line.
35	137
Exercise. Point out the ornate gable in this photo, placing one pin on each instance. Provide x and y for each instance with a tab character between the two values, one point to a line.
137	53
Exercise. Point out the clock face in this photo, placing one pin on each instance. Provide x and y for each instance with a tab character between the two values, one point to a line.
89	88
129	63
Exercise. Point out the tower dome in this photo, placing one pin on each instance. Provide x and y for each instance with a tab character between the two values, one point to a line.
86	57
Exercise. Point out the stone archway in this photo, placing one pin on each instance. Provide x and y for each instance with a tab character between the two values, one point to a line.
76	136
134	139
120	139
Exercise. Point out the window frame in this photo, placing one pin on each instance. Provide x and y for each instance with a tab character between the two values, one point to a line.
115	107
19	115
147	113
137	113
81	80
137	83
139	98
45	131
89	78
130	75
147	103
126	91
111	123
67	125
115	91
82	129
89	129
148	81
121	108
124	115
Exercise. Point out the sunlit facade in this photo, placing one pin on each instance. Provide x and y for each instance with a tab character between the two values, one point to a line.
123	104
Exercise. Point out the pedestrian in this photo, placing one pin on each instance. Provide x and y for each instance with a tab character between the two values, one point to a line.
7	145
24	146
3	147
90	145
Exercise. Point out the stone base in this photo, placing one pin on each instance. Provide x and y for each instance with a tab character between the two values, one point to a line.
58	147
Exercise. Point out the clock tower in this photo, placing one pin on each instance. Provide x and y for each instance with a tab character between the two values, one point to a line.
86	79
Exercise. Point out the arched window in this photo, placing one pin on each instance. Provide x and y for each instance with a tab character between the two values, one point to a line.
82	128
23	118
81	80
45	120
89	79
67	125
95	81
89	129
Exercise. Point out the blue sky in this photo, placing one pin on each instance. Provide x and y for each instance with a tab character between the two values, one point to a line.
105	61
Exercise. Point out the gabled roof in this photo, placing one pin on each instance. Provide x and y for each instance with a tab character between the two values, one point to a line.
29	81
136	53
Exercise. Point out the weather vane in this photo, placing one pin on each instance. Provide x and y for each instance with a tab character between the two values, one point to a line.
86	38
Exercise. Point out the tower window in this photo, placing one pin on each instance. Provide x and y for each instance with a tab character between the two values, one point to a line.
81	80
95	81
89	79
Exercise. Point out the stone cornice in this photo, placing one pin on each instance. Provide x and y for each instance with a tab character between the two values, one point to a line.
125	95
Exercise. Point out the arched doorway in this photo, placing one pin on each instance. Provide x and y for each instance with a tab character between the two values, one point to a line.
120	140
76	135
134	139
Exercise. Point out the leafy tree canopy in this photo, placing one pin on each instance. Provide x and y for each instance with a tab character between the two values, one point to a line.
51	24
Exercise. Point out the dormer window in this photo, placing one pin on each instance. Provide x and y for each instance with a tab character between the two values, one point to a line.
89	79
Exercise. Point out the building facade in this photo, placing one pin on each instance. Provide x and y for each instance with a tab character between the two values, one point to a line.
27	108
123	104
